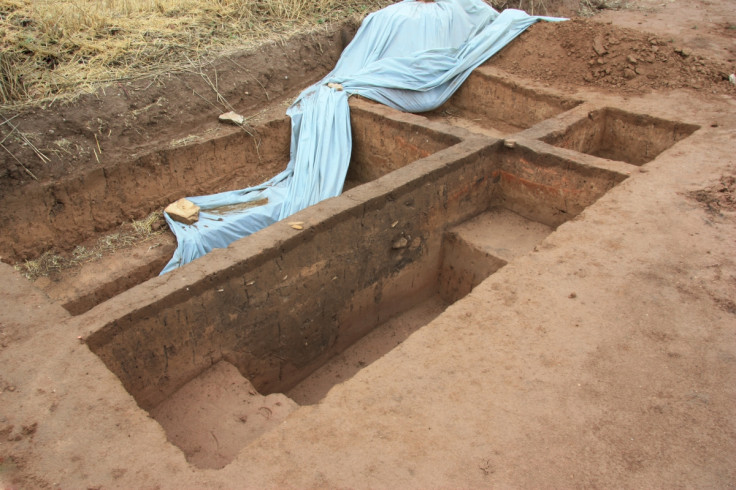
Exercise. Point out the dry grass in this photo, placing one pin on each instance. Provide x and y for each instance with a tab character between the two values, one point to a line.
54	48
52	262
588	8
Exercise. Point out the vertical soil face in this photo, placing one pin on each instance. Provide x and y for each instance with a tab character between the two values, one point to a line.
489	102
383	143
280	311
618	135
117	155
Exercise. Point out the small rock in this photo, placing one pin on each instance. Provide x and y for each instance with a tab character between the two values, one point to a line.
631	59
183	211
232	118
400	243
601	61
509	143
599	47
629	73
336	86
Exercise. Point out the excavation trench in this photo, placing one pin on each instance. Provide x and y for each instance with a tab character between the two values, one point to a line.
618	135
279	304
490	104
433	205
381	143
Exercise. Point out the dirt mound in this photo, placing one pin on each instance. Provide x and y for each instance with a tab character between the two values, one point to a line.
588	53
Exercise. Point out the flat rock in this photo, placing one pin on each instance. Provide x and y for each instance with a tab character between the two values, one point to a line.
232	118
183	211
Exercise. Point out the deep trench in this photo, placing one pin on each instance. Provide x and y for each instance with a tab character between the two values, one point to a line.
433	205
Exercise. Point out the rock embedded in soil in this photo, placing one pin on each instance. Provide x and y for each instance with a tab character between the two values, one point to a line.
599	47
232	118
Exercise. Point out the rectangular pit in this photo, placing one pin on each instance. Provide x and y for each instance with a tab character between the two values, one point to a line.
382	143
617	135
489	104
278	304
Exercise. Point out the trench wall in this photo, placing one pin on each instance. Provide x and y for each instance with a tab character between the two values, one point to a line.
295	298
68	212
289	305
487	97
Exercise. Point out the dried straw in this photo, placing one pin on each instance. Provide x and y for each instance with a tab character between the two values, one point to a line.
56	48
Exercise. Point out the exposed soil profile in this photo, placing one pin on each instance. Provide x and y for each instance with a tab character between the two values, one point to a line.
134	117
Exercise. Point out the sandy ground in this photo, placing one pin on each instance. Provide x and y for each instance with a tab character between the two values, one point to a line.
605	358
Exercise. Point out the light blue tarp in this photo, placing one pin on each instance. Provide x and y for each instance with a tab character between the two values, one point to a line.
410	55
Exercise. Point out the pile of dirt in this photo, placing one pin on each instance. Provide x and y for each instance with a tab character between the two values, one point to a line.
582	52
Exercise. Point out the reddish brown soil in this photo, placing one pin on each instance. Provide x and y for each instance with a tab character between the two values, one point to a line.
588	53
132	117
605	358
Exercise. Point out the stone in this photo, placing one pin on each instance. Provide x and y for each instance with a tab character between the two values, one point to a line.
400	243
599	47
232	118
183	211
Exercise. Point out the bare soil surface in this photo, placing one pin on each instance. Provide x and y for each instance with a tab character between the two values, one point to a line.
604	358
212	416
588	53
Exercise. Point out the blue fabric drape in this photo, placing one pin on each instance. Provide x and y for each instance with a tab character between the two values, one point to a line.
410	55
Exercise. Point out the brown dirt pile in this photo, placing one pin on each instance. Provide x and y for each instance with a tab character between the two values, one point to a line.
588	53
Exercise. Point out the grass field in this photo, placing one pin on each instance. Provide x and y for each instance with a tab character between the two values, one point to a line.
51	48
